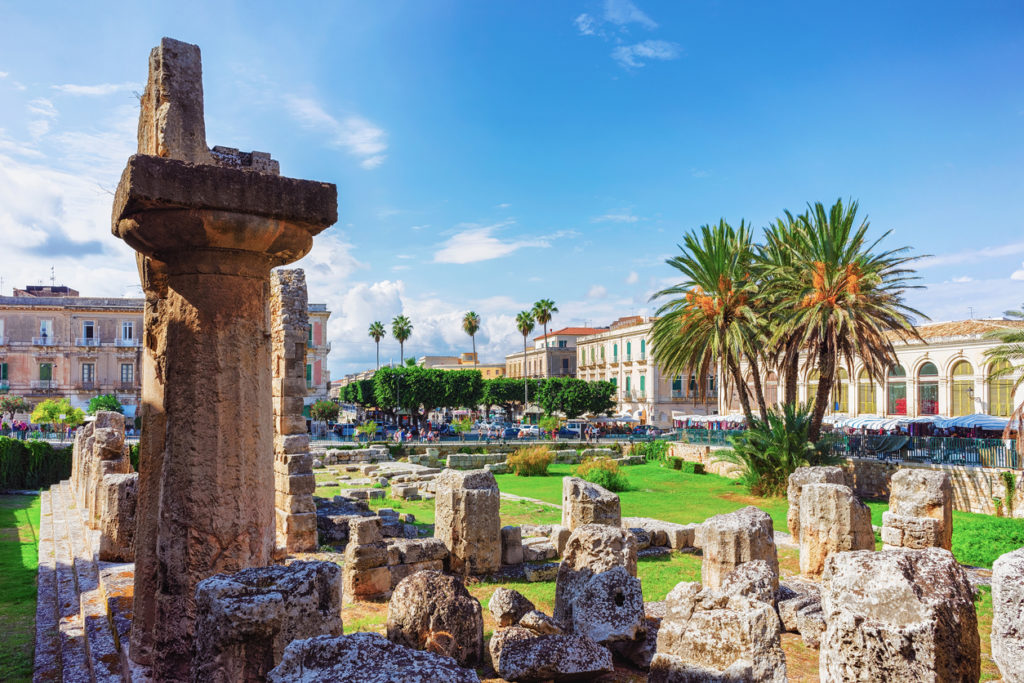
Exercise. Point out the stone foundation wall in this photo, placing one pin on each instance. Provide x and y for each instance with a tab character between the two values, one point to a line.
973	487
465	461
294	483
704	455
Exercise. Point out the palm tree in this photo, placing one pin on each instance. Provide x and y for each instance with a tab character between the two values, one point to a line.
846	299
378	332
524	323
1009	358
471	325
776	272
401	329
709	322
542	312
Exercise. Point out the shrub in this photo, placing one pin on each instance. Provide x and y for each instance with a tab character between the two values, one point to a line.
689	467
32	464
603	472
769	451
652	451
531	461
133	455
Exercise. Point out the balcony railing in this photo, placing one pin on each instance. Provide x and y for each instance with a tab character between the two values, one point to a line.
44	384
5	386
87	341
642	357
127	342
628	358
44	341
87	385
125	387
3	341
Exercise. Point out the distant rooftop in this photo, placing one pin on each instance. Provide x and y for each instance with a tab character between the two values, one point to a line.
572	331
962	328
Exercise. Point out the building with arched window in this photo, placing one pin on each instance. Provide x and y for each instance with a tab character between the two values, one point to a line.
945	373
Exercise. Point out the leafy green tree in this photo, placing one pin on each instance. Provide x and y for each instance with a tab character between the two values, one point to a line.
1008	358
367	429
462	388
601	398
548	423
361	392
708	318
107	402
471	325
542	313
524	323
401	330
844	298
462	426
57	413
377	332
11	404
324	411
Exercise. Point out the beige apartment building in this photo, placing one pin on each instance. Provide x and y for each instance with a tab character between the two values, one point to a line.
621	355
946	373
553	355
55	343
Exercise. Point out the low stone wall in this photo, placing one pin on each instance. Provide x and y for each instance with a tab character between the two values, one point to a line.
476	461
973	487
334	456
704	455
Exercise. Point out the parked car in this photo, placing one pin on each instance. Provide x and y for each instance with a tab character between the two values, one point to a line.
529	432
566	433
573	428
510	433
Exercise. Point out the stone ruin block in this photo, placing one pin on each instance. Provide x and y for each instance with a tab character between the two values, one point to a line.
433	611
523	656
832	520
729	540
587	503
799	606
374	566
592	549
118	497
467	520
511	545
245	620
797	480
1008	615
367	658
99	450
508	606
663	534
728	635
898	615
920	513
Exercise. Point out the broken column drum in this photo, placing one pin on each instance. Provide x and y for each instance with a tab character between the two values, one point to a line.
208	227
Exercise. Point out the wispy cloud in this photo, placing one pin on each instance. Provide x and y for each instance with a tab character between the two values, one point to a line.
480	243
971	255
96	90
586	24
43	107
622	217
632	278
4	74
635	56
623	12
597	292
355	134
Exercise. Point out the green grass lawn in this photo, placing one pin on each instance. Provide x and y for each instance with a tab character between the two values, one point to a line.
19	556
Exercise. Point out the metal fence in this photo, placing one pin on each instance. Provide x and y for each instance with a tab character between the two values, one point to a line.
937	450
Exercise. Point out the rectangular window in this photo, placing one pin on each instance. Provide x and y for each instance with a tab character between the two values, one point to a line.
643	383
309	337
127	373
3	372
46	371
963	398
46	328
897	404
565	365
866	399
87	329
1	330
88	373
309	375
127	330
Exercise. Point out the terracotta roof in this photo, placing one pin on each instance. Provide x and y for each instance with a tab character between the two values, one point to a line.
578	331
962	328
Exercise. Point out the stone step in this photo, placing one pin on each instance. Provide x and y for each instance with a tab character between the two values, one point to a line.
47	657
74	651
104	659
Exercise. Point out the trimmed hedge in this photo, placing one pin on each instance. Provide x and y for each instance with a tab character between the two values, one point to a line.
32	464
687	467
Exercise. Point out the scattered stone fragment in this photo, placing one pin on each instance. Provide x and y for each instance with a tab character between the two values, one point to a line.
366	658
540	624
592	549
754	580
508	606
610	608
434	611
541	572
467	520
511	545
562	658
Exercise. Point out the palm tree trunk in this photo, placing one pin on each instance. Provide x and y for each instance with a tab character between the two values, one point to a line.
473	337
792	370
755	372
826	372
526	382
734	368
547	357
378	355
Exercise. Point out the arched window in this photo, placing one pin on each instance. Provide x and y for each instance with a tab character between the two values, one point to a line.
1000	389
867	399
628	383
963	389
841	391
629	350
643	349
928	389
771	389
897	403
643	384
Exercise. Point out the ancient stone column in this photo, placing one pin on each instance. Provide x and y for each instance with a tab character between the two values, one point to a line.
729	540
294	482
832	520
208	226
920	513
801	477
467	519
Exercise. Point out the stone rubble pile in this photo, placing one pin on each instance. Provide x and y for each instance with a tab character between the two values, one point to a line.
374	566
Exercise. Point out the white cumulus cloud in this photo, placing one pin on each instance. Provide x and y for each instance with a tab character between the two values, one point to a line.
479	243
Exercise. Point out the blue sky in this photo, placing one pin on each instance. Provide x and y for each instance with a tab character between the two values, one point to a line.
488	154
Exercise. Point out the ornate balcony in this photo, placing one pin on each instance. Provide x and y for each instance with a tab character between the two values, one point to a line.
127	343
44	384
44	341
87	341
